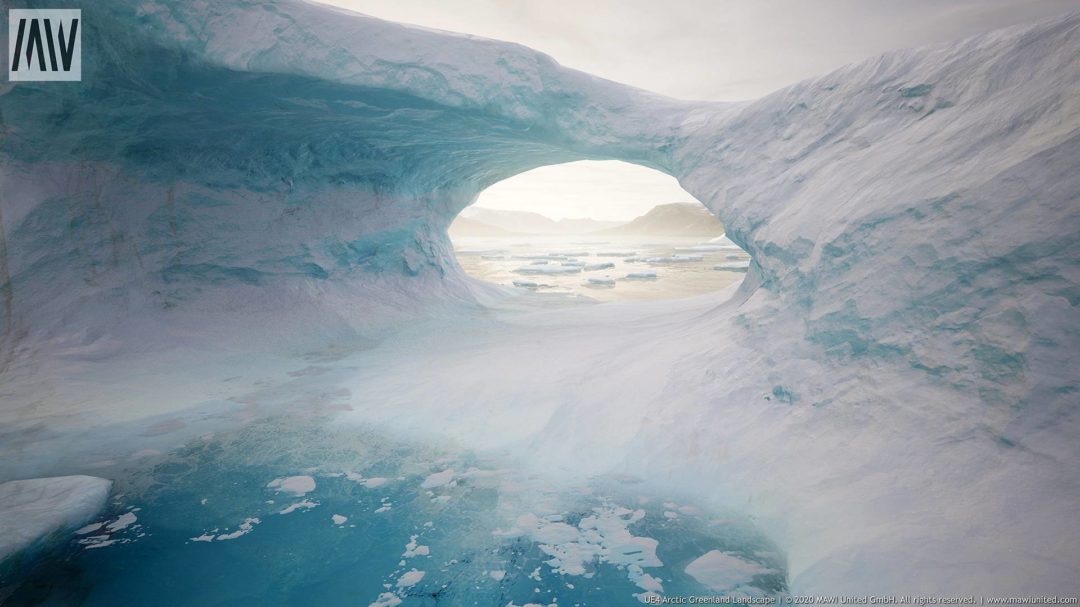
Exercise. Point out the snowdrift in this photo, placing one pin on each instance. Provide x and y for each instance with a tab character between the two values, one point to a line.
891	392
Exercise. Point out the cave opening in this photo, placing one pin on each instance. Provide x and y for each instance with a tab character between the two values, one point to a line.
607	230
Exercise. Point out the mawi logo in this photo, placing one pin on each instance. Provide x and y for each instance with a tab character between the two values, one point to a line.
44	44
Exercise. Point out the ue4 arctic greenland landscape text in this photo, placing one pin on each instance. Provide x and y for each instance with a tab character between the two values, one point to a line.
240	363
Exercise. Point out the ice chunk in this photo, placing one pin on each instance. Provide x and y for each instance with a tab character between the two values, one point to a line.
386	599
647	275
413	548
302	505
410	578
296	485
548	269
720	571
592	267
122	522
666	260
35	508
245	528
438	479
600	283
339	519
733	266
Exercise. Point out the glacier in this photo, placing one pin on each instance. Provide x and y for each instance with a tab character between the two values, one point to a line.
242	210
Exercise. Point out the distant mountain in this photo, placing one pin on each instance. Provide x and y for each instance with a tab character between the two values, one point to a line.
523	222
675	219
463	227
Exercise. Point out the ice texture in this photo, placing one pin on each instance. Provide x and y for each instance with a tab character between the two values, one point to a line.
891	392
33	509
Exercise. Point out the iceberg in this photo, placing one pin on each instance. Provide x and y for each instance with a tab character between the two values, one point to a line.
34	509
890	392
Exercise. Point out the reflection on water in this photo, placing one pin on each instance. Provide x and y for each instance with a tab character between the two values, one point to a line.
285	512
608	268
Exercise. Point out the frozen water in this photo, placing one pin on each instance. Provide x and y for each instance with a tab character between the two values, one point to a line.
504	534
733	266
31	510
548	269
890	392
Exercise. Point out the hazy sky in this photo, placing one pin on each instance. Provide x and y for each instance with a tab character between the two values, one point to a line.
693	49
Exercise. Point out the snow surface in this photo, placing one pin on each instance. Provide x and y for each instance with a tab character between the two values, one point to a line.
891	392
33	509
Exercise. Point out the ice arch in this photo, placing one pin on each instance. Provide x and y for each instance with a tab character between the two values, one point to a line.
286	170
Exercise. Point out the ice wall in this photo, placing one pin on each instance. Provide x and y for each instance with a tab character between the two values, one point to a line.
892	390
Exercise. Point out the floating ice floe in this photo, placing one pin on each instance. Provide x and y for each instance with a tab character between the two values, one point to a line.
602	537
296	485
667	259
339	519
600	283
244	528
733	266
720	571
302	505
548	269
647	275
480	252
438	479
410	578
370	483
413	548
532	284
386	599
592	267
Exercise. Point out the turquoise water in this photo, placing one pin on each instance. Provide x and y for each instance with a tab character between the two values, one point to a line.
493	534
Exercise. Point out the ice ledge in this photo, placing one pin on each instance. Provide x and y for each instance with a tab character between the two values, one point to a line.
34	508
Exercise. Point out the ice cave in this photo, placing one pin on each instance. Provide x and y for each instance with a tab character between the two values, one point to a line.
240	365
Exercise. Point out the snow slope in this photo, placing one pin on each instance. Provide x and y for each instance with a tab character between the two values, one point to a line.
891	392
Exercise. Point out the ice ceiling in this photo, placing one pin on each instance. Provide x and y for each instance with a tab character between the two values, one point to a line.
895	380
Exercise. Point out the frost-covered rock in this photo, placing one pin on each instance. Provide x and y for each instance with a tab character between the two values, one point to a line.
33	509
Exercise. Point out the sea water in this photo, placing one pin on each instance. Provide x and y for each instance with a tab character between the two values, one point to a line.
680	266
290	512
